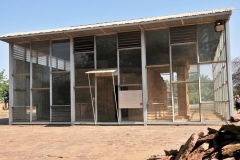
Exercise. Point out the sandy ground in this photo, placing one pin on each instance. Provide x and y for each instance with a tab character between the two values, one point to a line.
90	142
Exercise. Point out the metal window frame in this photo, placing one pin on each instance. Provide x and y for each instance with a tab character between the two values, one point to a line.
72	81
229	68
11	79
144	77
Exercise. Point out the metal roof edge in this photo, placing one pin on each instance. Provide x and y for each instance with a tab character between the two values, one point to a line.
119	23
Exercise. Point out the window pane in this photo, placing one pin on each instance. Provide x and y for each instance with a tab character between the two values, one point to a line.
210	113
159	95
210	43
157	47
83	106
41	105
84	63
41	72
40	48
106	51
184	63
132	114
61	55
21	58
21	91
207	85
186	102
130	66
61	89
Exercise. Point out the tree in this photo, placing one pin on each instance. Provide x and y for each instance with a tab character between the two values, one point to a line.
236	75
3	87
206	88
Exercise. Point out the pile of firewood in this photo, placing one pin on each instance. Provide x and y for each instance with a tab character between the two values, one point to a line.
217	144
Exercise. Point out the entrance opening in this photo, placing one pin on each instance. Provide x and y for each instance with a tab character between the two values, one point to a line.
106	104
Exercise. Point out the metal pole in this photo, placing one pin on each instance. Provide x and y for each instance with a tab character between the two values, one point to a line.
229	69
11	79
72	80
50	51
91	99
199	79
171	77
115	98
95	67
31	72
144	77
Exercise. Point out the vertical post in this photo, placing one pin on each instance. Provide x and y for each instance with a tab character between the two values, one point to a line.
171	76
118	73
31	72
199	78
10	102
229	69
144	77
95	67
50	53
72	84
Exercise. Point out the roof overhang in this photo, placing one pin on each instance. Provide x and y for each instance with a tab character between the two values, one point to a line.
121	26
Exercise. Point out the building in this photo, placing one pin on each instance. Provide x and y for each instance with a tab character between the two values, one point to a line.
162	70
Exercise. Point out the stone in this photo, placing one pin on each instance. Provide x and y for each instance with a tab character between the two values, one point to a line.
230	148
187	148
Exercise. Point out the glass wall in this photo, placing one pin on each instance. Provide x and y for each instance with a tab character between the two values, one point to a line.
213	77
158	76
185	83
83	103
21	83
61	105
130	65
41	80
186	80
106	51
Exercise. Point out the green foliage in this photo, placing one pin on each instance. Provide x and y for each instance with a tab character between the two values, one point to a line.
3	87
207	93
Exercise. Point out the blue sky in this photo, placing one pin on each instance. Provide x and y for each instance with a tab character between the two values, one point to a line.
31	15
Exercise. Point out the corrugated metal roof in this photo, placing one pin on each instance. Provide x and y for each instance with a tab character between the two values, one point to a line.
118	23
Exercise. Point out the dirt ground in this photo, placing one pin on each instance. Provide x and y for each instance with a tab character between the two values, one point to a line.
90	142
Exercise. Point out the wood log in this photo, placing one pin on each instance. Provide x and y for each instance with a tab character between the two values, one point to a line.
171	152
230	148
214	155
215	144
208	152
229	158
212	130
186	149
199	152
207	138
235	118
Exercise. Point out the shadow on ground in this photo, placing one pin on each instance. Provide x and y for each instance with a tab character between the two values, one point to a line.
3	121
58	125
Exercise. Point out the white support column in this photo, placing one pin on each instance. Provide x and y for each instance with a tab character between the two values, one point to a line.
118	84
144	77
31	102
95	81
50	77
199	79
10	102
72	79
229	68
